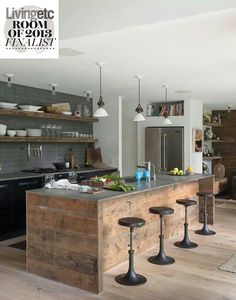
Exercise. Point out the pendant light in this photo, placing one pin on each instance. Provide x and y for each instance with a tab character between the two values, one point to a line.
9	79
53	86
166	120
100	111
139	117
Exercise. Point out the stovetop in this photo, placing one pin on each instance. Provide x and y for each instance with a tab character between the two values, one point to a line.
45	170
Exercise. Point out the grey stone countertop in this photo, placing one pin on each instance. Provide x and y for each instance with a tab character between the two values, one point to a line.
161	182
23	175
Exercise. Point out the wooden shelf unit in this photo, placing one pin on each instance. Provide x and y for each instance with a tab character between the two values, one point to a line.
213	124
173	108
21	113
211	157
220	141
46	139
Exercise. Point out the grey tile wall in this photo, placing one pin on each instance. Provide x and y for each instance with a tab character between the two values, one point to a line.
13	155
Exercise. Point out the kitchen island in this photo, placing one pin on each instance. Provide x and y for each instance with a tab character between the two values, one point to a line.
73	237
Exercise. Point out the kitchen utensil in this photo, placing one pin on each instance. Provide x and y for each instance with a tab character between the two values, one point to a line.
29	107
28	152
3	129
59	165
34	132
41	151
21	133
11	133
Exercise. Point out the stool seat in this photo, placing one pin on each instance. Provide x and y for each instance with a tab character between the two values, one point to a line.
131	222
186	202
161	210
205	194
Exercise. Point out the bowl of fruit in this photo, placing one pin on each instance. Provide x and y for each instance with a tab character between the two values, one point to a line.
177	172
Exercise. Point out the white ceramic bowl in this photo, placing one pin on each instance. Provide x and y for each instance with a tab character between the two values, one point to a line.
67	113
21	133
34	132
11	133
3	129
30	107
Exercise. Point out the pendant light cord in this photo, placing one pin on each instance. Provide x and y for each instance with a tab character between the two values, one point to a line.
139	91
100	81
166	94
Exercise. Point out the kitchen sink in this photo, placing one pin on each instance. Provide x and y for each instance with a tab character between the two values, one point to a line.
131	179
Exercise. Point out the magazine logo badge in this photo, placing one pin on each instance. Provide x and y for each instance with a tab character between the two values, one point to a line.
29	30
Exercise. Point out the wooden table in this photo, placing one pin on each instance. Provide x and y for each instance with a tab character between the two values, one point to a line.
73	238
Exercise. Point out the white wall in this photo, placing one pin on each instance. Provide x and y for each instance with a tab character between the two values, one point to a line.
107	132
123	141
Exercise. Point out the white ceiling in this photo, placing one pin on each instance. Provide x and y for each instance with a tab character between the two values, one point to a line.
189	45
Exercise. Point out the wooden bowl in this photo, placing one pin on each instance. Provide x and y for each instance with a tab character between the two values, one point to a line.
50	109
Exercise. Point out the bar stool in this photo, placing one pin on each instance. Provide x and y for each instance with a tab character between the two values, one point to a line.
131	278
161	258
186	243
205	230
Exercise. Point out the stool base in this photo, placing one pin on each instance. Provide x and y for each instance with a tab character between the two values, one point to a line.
130	279
205	231
161	259
186	245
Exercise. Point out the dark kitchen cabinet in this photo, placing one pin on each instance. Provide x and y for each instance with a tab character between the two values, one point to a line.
13	205
6	192
19	200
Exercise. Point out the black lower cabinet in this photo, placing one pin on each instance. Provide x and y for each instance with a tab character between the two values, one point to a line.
5	206
19	201
13	205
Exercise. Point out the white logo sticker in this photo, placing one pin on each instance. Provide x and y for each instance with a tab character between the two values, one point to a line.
29	29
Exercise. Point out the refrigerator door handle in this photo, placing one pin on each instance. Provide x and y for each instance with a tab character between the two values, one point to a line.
164	147
161	161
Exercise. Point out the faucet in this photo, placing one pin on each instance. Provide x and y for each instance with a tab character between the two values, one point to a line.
148	168
154	172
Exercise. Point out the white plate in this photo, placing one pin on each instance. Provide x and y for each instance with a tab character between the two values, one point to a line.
6	104
67	113
29	107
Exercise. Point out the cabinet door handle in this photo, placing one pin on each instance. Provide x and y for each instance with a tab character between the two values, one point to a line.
28	183
3	186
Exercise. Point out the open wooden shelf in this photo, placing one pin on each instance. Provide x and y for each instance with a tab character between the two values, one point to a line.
212	124
211	157
221	141
46	139
21	113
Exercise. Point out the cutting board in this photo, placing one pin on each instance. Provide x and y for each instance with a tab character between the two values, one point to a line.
62	107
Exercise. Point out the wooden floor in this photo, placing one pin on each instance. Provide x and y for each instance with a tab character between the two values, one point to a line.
195	274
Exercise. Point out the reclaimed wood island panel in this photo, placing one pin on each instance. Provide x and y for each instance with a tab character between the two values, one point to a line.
73	238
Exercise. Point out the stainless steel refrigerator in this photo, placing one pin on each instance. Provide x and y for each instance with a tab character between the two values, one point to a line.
164	147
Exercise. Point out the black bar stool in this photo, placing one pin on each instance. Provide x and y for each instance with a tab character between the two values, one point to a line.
161	258
186	243
205	230
131	278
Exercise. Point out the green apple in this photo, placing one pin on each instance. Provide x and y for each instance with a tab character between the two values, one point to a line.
176	169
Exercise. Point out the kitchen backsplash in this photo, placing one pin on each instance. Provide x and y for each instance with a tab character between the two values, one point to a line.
13	155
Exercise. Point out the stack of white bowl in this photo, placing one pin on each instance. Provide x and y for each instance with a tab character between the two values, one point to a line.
3	129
